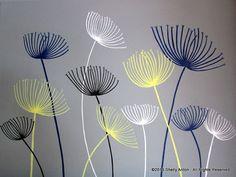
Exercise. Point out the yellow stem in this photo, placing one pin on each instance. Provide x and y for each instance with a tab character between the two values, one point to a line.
32	148
171	135
92	153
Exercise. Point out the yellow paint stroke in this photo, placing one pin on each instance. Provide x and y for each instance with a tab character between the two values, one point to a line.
92	153
32	147
170	131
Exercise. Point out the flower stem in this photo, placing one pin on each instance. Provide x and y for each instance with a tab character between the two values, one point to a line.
82	115
199	153
171	110
169	129
32	152
145	151
55	119
209	155
108	140
32	147
92	153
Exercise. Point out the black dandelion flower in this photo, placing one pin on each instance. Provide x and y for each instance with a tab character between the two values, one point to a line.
93	80
20	128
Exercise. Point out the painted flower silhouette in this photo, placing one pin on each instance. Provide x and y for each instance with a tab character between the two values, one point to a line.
33	96
20	128
188	48
45	45
104	31
148	70
41	46
141	115
220	128
93	80
116	126
188	119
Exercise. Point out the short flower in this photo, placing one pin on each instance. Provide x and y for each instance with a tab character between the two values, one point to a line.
116	126
18	128
190	118
33	96
93	80
140	114
219	127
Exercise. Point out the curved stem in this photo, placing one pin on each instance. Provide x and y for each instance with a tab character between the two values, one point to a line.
55	119
108	140
199	153
32	147
92	153
145	151
169	129
209	155
32	152
171	110
82	115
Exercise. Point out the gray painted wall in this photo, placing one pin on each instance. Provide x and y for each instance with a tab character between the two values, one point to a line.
215	89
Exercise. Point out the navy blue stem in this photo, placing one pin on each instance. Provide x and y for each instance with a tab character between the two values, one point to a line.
34	157
199	153
55	119
108	139
171	110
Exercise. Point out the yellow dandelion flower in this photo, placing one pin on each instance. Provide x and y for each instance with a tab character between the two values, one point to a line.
33	96
115	125
146	70
38	97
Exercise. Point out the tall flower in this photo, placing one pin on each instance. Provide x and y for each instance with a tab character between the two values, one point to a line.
220	128
106	33
148	70
141	115
20	128
188	48
188	119
115	126
94	81
33	96
45	46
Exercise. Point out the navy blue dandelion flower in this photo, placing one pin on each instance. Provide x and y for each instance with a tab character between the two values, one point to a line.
189	119
45	46
94	81
20	128
187	48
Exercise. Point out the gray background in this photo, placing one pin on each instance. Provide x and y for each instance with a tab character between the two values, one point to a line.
215	89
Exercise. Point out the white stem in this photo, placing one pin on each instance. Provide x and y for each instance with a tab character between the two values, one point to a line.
209	154
82	116
145	151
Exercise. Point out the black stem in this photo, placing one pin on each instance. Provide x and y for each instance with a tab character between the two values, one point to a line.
55	120
108	139
199	153
167	131
34	156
